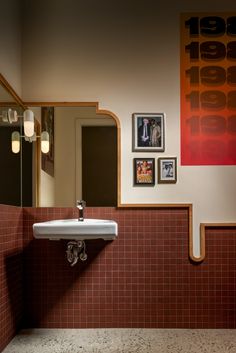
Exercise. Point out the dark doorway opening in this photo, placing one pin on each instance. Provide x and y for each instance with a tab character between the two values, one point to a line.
16	170
99	165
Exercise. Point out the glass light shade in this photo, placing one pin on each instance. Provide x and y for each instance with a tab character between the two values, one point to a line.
4	116
45	142
28	123
15	142
12	116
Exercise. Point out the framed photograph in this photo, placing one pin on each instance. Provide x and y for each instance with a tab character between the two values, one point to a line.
148	132
47	124
167	170
144	171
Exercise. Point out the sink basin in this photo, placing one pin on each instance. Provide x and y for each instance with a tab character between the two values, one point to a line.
75	230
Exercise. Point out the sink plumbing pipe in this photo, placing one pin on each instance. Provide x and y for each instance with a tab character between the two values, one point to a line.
75	251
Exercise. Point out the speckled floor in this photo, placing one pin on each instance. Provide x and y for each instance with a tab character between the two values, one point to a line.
123	341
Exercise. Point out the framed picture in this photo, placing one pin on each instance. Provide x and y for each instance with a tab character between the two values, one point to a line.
144	171
167	170
148	132
47	124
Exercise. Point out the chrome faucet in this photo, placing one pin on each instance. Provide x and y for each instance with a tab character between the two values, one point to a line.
81	205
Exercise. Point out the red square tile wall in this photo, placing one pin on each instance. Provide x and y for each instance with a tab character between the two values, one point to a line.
142	279
11	285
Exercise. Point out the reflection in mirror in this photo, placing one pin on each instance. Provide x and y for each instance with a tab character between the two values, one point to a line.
82	163
16	177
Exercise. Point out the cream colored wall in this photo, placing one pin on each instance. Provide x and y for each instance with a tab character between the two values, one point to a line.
64	188
46	181
47	190
126	57
68	152
10	42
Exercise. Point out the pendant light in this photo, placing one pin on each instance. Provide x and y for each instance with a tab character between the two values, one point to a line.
15	142
11	116
28	123
45	142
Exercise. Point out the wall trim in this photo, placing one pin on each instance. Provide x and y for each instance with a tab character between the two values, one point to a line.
189	206
98	112
12	92
202	229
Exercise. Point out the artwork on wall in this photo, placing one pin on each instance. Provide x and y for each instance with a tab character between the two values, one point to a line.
167	170
148	132
144	171
47	124
208	95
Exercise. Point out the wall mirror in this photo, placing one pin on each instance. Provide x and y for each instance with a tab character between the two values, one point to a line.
17	184
82	161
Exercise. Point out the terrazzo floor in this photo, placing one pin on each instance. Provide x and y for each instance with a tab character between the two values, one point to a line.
123	341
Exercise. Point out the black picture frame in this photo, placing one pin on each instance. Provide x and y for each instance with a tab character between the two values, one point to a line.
148	132
144	171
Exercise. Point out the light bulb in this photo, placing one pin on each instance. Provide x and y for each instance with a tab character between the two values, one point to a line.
12	116
45	142
28	123
15	142
5	116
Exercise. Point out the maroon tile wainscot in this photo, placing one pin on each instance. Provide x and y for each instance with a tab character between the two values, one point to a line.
11	275
142	279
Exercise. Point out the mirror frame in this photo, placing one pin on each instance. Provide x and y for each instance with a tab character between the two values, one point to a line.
98	111
17	100
36	152
5	84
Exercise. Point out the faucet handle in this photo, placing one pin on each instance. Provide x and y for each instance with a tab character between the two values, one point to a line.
80	203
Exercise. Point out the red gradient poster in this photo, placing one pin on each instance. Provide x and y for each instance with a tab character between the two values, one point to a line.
208	88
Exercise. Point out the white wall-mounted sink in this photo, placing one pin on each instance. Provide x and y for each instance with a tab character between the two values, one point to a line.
72	229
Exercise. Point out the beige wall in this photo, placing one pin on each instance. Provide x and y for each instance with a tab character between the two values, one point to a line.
65	188
10	42
126	57
46	182
68	121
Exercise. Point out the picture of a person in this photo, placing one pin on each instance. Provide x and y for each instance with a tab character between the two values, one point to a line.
148	132
145	167
144	172
155	132
144	133
167	171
